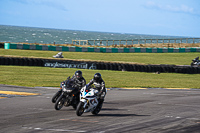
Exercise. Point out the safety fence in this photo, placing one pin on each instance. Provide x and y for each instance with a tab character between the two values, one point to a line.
100	42
97	65
100	49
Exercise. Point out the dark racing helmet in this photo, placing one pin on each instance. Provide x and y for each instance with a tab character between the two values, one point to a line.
97	76
78	74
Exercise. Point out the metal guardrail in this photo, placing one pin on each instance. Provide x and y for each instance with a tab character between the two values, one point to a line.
136	41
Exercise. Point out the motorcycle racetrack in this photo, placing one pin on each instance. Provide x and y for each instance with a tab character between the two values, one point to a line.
137	110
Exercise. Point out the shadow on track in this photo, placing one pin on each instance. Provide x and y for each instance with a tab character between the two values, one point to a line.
118	115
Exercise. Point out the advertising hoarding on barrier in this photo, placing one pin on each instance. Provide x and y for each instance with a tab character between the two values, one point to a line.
70	65
98	65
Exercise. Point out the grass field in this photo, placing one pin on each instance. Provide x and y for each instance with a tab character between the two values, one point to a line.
144	58
44	76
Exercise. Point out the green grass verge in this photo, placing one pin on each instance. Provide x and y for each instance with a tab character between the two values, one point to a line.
44	76
144	58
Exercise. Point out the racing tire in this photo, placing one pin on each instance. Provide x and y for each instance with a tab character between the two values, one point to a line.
55	97
80	109
59	103
74	107
98	109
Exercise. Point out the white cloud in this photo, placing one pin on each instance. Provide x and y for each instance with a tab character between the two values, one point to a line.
180	8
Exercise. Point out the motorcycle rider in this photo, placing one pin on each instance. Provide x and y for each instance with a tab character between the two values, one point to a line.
79	82
100	86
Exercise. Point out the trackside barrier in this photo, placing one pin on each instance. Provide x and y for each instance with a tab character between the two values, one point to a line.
100	49
97	65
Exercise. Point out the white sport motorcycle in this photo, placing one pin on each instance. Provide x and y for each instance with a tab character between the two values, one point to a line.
195	62
89	101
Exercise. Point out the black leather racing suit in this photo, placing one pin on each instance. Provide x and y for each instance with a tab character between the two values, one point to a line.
79	82
100	86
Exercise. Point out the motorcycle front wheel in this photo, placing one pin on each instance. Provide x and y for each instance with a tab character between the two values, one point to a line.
56	96
59	103
80	109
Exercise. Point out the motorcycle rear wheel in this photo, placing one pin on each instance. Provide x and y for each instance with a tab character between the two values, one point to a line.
59	103
97	110
80	109
74	107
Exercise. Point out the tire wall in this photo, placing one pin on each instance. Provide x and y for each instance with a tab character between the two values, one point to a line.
21	61
98	65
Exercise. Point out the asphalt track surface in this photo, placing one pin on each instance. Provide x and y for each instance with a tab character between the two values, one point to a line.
124	110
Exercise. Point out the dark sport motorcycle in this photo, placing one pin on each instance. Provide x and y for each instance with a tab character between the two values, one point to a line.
66	96
195	62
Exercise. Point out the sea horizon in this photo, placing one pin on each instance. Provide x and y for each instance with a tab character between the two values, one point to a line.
10	33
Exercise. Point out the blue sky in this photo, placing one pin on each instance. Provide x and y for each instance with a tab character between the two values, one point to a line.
153	17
